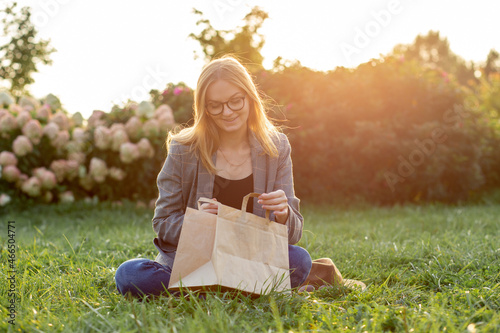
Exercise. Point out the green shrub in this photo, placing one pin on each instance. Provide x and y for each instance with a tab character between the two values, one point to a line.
388	131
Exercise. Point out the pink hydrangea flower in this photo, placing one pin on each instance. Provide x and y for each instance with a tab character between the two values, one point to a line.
61	120
98	169
95	119
47	178
133	127
38	172
129	152
119	137
15	109
66	197
61	140
7	158
4	199
50	130
28	108
151	128
11	173
102	137
7	123
145	109
32	187
22	146
163	110
29	103
117	127
177	91
145	148
77	119
166	123
79	134
59	167
165	117
43	113
33	130
23	118
117	173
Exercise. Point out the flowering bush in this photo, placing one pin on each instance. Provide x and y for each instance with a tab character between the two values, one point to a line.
179	97
49	156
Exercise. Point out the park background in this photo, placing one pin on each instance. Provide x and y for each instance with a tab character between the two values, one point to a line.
391	108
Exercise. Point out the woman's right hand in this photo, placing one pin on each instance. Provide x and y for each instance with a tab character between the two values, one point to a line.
209	207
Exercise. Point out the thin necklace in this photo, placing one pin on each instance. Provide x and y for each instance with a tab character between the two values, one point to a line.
232	164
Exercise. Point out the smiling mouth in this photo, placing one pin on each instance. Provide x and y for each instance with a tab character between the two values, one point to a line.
230	120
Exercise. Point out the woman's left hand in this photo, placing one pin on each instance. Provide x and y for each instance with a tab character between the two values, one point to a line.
276	202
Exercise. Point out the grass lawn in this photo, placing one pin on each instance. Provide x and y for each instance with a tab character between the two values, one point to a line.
428	269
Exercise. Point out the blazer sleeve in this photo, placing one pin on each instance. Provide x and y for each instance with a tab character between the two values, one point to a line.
169	209
284	181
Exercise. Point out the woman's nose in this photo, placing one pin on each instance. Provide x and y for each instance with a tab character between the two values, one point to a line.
226	110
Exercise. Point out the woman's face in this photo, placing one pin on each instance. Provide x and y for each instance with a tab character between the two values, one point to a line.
227	120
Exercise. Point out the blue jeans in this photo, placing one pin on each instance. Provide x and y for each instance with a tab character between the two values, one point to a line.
147	277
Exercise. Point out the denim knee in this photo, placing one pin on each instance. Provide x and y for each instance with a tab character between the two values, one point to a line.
300	265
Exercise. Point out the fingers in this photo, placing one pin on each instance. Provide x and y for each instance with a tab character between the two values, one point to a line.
276	208
209	207
277	202
272	195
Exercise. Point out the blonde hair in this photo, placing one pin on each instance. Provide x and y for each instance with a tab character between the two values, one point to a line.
203	136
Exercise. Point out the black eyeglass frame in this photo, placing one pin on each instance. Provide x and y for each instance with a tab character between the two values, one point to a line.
227	103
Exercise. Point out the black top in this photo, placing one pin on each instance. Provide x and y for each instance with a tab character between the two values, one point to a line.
231	192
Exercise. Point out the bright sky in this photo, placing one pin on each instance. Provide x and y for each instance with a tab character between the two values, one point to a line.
109	51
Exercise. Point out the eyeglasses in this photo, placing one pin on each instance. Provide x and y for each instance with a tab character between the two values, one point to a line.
234	104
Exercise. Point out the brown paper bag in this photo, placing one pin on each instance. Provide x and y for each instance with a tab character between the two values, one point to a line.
233	250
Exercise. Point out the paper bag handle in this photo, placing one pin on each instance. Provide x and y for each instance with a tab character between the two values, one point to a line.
245	202
206	200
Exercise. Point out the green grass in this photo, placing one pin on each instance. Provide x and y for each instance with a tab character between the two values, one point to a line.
428	269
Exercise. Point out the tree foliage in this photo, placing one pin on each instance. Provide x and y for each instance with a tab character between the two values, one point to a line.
20	56
492	64
434	51
244	42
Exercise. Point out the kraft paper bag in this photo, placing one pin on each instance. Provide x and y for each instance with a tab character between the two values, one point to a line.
233	250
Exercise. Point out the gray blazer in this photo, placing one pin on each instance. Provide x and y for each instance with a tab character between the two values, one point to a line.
183	179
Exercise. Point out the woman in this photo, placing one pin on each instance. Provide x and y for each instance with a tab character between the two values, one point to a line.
231	150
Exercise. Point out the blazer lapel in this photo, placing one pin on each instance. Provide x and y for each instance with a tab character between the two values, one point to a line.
205	186
259	167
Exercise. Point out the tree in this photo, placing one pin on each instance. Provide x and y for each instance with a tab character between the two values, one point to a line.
19	57
434	51
245	42
492	63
